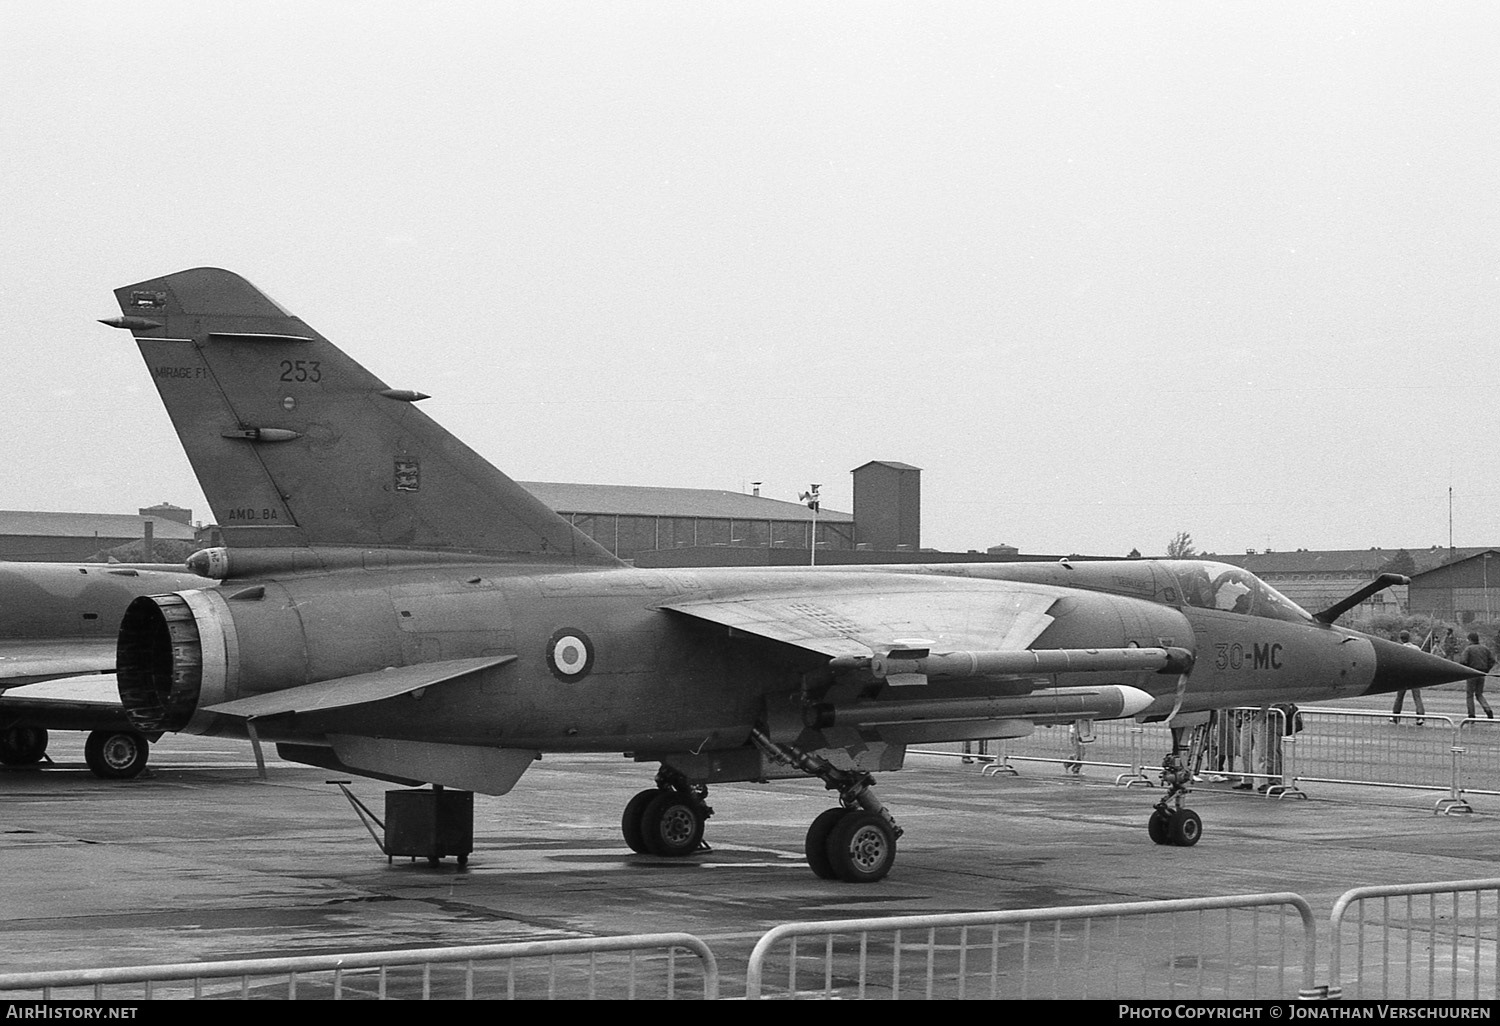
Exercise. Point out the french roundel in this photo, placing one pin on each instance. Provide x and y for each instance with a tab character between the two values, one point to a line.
570	654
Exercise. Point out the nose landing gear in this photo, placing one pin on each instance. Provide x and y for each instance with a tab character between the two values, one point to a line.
1171	822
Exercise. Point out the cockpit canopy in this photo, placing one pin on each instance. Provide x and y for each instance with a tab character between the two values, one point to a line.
1232	589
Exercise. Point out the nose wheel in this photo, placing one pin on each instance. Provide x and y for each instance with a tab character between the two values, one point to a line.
1178	827
1171	822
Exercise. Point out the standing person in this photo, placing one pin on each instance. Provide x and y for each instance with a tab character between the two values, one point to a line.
1251	745
1075	742
1416	693
1220	744
1448	647
1477	657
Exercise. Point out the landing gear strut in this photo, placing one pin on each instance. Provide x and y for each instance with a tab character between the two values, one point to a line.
667	819
855	842
1171	822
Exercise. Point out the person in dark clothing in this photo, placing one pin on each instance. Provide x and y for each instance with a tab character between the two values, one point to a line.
1477	657
1416	693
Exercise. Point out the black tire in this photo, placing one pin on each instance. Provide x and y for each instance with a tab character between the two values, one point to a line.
630	821
116	754
671	825
22	746
817	843
1186	828
862	847
1159	826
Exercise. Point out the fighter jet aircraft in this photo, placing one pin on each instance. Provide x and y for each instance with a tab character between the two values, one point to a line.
393	605
59	620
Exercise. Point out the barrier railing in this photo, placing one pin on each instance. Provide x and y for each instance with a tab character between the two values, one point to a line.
1425	941
1186	948
1429	752
1416	941
1477	757
532	969
1377	749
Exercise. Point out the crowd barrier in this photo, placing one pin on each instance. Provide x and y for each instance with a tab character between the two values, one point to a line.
1426	941
1322	745
1418	942
1240	946
639	967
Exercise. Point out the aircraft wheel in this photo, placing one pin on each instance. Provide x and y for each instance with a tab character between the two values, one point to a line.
1185	828
116	754
862	847
817	843
22	746
1159	826
630	822
671	825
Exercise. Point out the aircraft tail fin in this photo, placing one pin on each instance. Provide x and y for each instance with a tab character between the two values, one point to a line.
296	444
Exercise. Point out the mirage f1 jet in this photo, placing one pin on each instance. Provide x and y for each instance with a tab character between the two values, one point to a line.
392	605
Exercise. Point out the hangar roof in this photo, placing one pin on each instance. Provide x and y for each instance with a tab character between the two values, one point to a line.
638	500
1353	562
26	523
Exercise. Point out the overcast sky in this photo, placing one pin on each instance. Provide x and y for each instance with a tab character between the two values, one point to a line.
1105	272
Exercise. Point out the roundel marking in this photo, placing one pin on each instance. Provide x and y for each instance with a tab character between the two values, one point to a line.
570	654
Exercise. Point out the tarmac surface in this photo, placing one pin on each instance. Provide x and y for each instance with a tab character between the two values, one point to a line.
200	859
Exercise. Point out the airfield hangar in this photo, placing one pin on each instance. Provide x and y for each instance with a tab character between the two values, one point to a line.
662	527
1465	589
163	533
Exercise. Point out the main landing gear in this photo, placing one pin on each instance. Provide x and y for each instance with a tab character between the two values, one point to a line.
1171	822
667	819
111	754
855	842
116	754
22	746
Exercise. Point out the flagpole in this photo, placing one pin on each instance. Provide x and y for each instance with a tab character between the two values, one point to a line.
811	498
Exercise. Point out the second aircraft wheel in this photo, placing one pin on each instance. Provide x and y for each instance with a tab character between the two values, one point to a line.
630	822
862	847
1185	828
671	825
817	843
22	746
116	754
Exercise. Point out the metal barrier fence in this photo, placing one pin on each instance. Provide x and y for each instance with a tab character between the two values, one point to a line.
1428	941
1133	752
1477	757
1240	946
1375	748
1119	746
533	969
1332	746
1416	941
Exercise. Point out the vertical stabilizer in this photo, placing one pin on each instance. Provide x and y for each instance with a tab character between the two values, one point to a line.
296	444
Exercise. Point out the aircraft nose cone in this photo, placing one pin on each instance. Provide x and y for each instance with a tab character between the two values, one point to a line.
1399	667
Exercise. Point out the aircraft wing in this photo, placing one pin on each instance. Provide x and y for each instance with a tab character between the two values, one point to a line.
82	703
856	621
949	628
25	662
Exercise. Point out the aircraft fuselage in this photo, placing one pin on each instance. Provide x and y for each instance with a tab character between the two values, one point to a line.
600	664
